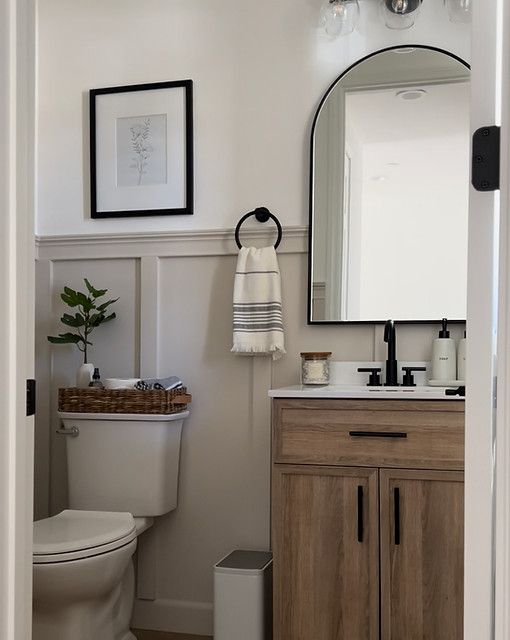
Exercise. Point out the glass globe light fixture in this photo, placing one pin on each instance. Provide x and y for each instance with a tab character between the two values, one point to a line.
339	17
459	10
400	14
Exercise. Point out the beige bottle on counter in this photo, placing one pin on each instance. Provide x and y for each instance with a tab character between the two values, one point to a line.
444	356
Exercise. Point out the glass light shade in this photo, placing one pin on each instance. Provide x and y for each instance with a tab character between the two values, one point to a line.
399	14
459	10
339	17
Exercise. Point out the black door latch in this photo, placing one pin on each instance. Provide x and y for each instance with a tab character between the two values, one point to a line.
30	397
485	174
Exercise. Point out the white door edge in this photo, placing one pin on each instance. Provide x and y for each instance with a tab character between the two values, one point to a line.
502	478
17	107
483	422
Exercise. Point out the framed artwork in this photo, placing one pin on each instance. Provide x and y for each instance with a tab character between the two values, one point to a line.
141	150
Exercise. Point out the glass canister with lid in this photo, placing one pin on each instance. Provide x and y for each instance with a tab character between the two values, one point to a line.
315	367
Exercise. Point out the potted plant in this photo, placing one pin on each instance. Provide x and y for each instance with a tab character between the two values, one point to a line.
89	313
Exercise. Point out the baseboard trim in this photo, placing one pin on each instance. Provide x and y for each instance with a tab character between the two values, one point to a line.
177	616
212	242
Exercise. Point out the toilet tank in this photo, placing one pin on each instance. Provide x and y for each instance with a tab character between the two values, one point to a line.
119	462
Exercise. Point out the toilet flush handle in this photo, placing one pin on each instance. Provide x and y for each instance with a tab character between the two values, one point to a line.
74	432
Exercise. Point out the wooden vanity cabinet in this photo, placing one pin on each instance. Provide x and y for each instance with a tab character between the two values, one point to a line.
326	553
366	549
422	559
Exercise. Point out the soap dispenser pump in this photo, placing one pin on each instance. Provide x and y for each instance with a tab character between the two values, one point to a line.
444	356
96	380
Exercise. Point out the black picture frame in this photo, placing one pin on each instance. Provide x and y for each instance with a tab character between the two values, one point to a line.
188	167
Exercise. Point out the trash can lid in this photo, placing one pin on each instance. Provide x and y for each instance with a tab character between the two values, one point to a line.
246	560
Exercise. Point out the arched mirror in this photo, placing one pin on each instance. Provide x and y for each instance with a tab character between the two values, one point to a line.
389	191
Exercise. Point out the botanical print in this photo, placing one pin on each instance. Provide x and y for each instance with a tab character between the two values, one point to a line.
141	150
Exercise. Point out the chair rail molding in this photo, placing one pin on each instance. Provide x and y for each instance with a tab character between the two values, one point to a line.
190	243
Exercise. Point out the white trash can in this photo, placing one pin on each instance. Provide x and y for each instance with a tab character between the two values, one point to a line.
243	583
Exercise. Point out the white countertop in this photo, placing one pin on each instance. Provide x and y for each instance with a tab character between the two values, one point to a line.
364	392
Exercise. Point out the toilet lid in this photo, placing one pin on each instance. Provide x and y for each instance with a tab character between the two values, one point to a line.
71	535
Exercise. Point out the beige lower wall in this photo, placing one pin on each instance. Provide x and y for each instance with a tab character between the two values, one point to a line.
175	317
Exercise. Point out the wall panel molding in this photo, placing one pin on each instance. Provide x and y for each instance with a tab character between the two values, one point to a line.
231	429
176	316
212	242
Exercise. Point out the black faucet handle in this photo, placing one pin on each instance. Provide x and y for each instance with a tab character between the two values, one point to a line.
408	379
375	377
460	391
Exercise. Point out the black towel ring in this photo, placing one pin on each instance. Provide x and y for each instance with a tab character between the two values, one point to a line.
263	215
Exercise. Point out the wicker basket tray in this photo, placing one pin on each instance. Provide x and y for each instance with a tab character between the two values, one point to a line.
74	400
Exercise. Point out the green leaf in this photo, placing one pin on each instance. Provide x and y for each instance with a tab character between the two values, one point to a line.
65	338
95	319
105	305
112	316
55	340
95	293
85	302
71	337
71	302
70	292
73	321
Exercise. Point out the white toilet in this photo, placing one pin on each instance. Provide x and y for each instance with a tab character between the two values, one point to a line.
123	470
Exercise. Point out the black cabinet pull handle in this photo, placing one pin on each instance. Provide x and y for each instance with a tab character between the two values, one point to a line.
360	514
396	497
377	434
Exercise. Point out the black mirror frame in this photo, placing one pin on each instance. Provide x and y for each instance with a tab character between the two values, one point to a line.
310	321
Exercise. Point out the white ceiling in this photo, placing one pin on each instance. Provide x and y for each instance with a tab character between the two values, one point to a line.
404	65
378	115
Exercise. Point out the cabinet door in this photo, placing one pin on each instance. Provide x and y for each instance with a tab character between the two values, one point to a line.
422	555
326	553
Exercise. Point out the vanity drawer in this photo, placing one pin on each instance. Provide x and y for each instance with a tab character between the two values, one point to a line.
426	434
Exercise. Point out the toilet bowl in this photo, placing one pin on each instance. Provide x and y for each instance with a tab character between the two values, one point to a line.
122	471
83	575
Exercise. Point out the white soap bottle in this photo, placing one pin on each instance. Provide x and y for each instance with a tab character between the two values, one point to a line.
461	360
444	356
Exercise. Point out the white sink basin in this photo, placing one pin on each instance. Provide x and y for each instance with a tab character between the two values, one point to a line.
359	391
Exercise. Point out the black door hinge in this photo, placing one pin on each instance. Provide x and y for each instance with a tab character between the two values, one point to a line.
30	397
485	173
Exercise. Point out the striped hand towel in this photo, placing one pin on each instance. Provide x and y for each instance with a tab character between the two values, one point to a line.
258	324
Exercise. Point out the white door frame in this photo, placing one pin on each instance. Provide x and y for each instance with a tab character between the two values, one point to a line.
502	479
17	108
487	566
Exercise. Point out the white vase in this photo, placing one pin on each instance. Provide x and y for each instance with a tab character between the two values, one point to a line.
84	375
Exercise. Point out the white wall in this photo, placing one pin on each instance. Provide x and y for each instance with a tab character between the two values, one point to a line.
419	207
259	70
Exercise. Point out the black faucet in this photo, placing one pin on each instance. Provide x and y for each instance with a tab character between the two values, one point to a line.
391	362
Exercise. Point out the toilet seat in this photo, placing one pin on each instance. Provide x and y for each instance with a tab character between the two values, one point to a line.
75	535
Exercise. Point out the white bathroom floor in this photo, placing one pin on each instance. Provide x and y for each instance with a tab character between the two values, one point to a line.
160	635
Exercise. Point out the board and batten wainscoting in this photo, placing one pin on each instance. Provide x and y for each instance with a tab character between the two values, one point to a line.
174	316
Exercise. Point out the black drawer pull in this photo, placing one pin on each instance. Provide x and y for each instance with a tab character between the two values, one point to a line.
377	434
396	497
360	514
